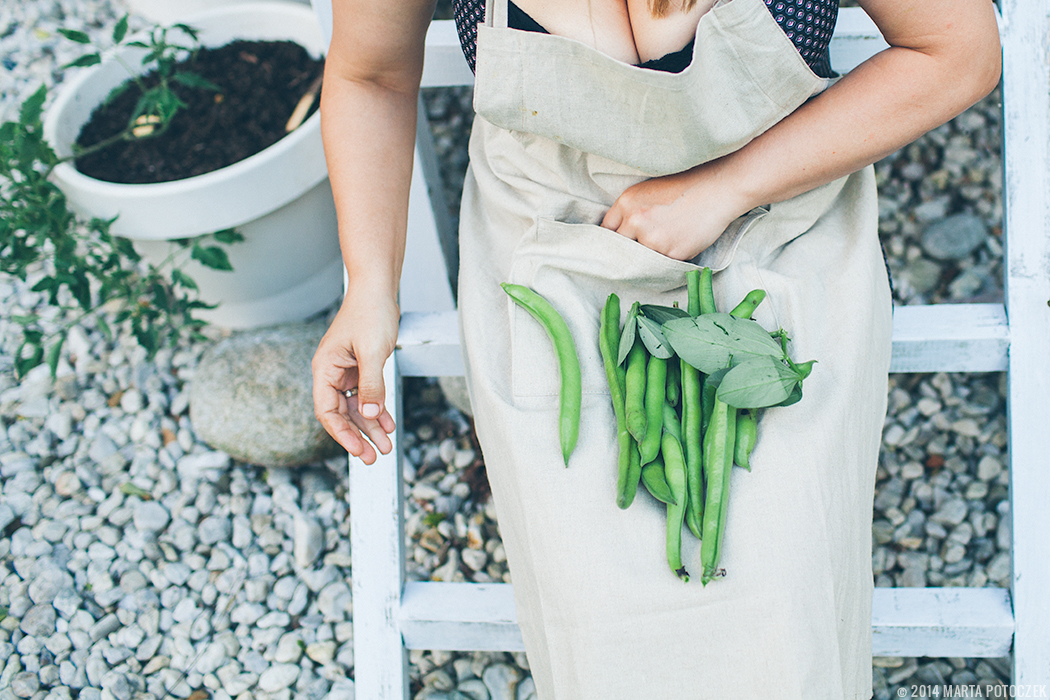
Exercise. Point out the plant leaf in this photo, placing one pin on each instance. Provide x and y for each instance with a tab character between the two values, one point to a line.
182	279
627	335
663	314
757	383
32	107
653	338
228	235
711	341
75	35
88	59
195	81
53	354
795	397
121	30
211	256
130	489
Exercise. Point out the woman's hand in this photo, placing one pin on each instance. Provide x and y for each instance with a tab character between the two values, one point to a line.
351	356
677	215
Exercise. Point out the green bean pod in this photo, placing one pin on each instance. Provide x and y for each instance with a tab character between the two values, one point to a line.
746	307
692	420
635	397
627	483
655	397
674	473
674	381
746	436
608	341
656	483
718	463
707	292
571	395
707	402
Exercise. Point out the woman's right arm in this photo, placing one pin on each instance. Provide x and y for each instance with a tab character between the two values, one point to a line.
368	124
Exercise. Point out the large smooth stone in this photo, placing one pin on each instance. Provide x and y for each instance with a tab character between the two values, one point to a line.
251	397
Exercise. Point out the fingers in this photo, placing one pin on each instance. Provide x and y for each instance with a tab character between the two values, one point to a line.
371	391
613	218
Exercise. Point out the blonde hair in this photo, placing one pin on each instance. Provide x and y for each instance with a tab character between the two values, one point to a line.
660	8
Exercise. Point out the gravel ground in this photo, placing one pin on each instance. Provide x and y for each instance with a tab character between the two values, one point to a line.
205	589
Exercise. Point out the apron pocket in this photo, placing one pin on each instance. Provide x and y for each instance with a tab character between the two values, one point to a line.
720	254
575	267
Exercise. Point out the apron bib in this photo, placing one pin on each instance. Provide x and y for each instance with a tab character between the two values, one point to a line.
561	130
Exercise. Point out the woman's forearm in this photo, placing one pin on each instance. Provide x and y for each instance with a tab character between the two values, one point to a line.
369	136
944	56
935	69
368	123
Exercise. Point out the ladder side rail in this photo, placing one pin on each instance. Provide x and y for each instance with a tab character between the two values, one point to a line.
378	544
1026	184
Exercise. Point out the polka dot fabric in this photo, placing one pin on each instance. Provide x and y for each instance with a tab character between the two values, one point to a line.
808	23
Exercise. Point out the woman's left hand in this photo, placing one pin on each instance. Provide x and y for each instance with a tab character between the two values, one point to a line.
676	215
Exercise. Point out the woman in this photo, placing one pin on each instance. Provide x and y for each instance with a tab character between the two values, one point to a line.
589	174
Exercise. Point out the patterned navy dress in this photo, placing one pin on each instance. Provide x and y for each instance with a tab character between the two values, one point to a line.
808	23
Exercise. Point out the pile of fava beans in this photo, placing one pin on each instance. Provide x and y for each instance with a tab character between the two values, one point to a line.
685	387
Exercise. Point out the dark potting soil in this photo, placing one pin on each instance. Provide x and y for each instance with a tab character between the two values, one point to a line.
261	81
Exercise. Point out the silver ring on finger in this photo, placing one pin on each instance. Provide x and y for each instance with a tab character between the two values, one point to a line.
350	392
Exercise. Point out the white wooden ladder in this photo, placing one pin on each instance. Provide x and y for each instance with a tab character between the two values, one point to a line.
391	615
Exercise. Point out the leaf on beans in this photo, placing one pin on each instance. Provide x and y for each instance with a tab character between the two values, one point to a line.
711	341
653	338
663	314
757	383
627	335
795	397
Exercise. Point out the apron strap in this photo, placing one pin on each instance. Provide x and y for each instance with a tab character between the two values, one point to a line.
496	13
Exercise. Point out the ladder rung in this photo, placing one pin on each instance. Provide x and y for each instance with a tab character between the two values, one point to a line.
950	338
937	622
934	338
942	622
468	616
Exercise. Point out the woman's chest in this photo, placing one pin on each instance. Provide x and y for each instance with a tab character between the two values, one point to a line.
623	29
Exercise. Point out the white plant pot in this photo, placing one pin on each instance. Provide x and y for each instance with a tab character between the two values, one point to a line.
171	11
289	265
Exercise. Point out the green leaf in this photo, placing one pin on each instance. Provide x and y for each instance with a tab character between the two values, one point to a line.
195	81
137	44
30	354
88	59
25	320
130	489
121	30
653	338
32	107
795	397
757	383
803	369
228	235
187	29
434	519
628	334
663	314
53	354
211	256
75	35
182	279
712	341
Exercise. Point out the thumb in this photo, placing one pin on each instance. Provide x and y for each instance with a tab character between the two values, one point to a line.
371	392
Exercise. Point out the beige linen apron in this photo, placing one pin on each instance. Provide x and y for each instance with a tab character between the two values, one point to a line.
561	131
